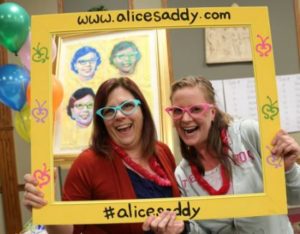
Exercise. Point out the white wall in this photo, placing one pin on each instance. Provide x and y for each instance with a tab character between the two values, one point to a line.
84	5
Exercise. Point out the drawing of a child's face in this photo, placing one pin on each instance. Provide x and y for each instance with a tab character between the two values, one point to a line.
86	66
125	60
82	111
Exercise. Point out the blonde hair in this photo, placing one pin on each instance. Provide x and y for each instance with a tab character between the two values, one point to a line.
215	144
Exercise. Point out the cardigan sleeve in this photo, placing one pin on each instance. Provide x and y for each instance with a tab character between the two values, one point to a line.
78	183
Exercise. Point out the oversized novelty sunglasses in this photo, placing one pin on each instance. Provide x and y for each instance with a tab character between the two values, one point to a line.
194	111
127	108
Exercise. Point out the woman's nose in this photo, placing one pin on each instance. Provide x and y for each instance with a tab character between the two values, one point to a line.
119	114
186	116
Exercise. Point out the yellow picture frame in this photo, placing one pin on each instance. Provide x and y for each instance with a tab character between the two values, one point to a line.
272	201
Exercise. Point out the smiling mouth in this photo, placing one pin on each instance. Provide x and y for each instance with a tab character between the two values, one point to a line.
85	115
124	127
126	64
190	130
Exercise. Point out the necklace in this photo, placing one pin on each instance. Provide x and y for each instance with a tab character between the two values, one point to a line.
225	178
159	177
206	186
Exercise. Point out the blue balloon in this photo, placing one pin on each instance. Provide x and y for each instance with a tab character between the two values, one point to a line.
14	80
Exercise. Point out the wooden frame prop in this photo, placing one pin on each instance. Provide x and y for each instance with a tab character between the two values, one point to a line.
270	202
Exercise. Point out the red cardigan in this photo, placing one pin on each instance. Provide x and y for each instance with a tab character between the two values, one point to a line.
93	177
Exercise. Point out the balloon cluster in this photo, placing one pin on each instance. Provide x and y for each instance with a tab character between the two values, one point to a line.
15	36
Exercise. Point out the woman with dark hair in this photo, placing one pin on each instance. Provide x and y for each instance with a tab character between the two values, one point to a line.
85	62
124	160
80	106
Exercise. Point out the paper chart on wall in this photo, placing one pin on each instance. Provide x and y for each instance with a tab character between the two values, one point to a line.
288	87
240	98
219	91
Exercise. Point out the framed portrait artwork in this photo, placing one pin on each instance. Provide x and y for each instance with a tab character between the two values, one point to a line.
84	61
143	31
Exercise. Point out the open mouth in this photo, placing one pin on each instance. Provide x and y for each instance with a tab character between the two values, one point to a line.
189	130
124	127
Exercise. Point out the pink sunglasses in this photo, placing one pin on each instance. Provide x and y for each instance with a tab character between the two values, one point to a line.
195	111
